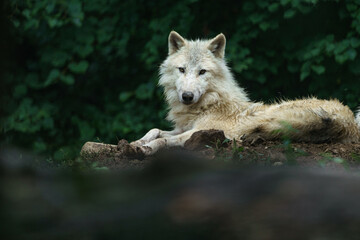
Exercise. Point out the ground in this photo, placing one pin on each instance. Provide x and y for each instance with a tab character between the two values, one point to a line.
213	146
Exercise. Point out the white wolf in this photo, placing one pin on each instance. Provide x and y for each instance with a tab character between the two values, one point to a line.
202	94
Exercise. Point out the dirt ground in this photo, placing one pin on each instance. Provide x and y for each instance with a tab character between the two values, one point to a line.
214	147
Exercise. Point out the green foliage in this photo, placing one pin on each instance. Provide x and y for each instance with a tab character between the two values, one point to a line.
87	70
328	158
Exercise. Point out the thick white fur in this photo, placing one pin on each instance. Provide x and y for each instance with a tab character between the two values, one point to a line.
219	103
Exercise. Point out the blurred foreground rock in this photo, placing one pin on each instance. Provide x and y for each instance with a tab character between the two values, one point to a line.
178	197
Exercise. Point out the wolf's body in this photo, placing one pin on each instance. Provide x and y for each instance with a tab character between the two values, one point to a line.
202	94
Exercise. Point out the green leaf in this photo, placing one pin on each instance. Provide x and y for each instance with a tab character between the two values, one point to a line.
351	7
84	51
80	67
304	75
289	13
273	7
48	123
264	26
103	35
319	69
329	48
59	58
355	42
26	13
50	7
341	58
341	46
124	96
256	17
285	2
31	24
239	67
144	91
68	79
76	13
52	22
53	76
351	53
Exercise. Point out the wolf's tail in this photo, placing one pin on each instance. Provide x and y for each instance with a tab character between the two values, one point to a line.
357	117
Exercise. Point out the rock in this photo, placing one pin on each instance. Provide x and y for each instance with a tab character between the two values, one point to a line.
200	139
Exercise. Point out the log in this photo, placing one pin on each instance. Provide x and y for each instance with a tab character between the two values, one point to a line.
93	151
122	156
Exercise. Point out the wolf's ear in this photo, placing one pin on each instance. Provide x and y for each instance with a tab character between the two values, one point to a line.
217	45
175	42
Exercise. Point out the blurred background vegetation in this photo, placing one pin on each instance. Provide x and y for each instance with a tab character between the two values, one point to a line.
80	71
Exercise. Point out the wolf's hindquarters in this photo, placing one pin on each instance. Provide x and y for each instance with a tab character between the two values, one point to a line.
308	120
357	117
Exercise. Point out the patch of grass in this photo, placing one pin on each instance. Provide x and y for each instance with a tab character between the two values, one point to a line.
355	157
236	151
95	166
289	152
328	158
222	153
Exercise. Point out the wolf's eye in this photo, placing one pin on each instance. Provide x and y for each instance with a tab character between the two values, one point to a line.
202	71
182	70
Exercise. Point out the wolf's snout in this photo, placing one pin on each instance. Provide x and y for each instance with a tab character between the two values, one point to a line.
187	97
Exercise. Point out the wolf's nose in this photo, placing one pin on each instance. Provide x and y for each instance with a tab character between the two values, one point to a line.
187	97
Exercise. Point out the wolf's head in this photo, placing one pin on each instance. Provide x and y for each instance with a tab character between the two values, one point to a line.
192	68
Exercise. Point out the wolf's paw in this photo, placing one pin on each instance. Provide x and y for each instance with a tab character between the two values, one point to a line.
138	143
131	151
146	150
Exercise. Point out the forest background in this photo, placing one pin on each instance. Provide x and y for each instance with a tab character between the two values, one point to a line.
76	71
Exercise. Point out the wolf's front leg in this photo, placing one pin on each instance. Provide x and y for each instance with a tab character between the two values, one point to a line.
154	134
170	141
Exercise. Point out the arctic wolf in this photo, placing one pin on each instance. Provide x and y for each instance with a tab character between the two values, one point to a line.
202	94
